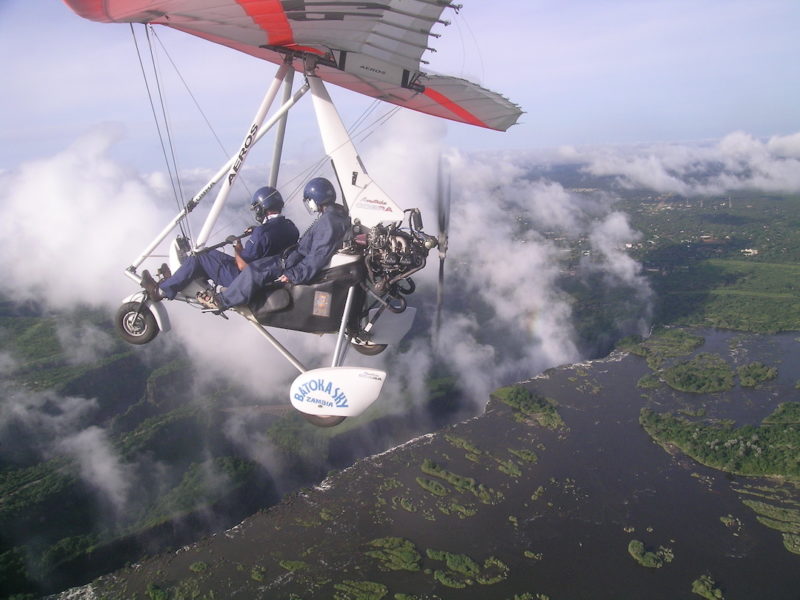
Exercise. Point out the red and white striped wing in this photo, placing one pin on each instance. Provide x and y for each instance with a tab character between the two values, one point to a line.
376	44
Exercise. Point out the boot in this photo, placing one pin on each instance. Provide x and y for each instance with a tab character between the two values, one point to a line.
150	286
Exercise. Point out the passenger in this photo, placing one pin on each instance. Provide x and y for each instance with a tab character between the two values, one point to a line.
300	264
274	234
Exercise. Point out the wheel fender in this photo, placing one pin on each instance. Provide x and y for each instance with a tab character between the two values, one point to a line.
339	391
157	308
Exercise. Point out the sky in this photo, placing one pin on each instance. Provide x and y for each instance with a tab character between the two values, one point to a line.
585	72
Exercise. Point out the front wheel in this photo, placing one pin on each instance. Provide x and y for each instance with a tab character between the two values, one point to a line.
323	420
135	323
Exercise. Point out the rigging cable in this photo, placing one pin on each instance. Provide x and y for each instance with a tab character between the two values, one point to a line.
225	152
175	187
191	95
181	202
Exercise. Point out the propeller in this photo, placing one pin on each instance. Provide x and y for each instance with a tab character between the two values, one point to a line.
443	221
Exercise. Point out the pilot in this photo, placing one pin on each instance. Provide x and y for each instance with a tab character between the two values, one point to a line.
274	234
300	264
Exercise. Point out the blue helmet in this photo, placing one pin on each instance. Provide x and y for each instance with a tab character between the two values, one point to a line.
318	192
266	200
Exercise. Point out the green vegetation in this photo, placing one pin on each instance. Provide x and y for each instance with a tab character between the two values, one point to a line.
791	541
528	456
528	405
747	450
198	567
706	587
464	444
359	590
509	467
649	381
459	510
781	518
395	554
729	520
294	565
434	487
787	413
463	484
663	344
648	558
704	374
752	374
461	571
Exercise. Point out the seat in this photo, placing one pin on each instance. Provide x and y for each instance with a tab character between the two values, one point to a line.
316	307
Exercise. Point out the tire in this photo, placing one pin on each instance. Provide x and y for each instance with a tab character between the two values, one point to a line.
135	323
368	349
323	420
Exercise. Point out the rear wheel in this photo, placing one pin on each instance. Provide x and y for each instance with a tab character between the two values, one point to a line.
368	348
135	323
323	420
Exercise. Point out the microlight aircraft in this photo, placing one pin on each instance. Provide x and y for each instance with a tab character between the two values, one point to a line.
371	47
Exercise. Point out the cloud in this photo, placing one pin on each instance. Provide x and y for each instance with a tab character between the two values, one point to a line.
739	161
99	465
70	219
83	343
608	238
43	416
7	363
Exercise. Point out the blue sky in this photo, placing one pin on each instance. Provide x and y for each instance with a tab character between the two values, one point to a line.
585	72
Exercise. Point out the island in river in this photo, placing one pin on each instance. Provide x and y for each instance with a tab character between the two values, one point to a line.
556	492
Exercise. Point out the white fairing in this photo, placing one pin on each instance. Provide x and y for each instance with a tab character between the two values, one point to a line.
336	391
365	200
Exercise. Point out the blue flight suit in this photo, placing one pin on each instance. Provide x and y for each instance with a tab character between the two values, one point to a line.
273	237
300	265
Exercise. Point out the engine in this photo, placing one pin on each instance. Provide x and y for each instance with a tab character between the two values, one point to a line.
394	252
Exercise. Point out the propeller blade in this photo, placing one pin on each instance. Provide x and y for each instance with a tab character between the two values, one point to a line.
443	202
440	294
443	221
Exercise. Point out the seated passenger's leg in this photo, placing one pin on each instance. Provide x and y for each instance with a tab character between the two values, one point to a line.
220	267
257	274
189	269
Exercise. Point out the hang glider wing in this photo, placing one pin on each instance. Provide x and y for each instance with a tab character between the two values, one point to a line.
373	47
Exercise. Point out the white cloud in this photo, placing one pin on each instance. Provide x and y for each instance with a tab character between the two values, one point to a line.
739	161
44	416
83	343
99	464
7	362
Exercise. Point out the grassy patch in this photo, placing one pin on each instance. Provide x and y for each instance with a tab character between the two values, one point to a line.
754	373
704	374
